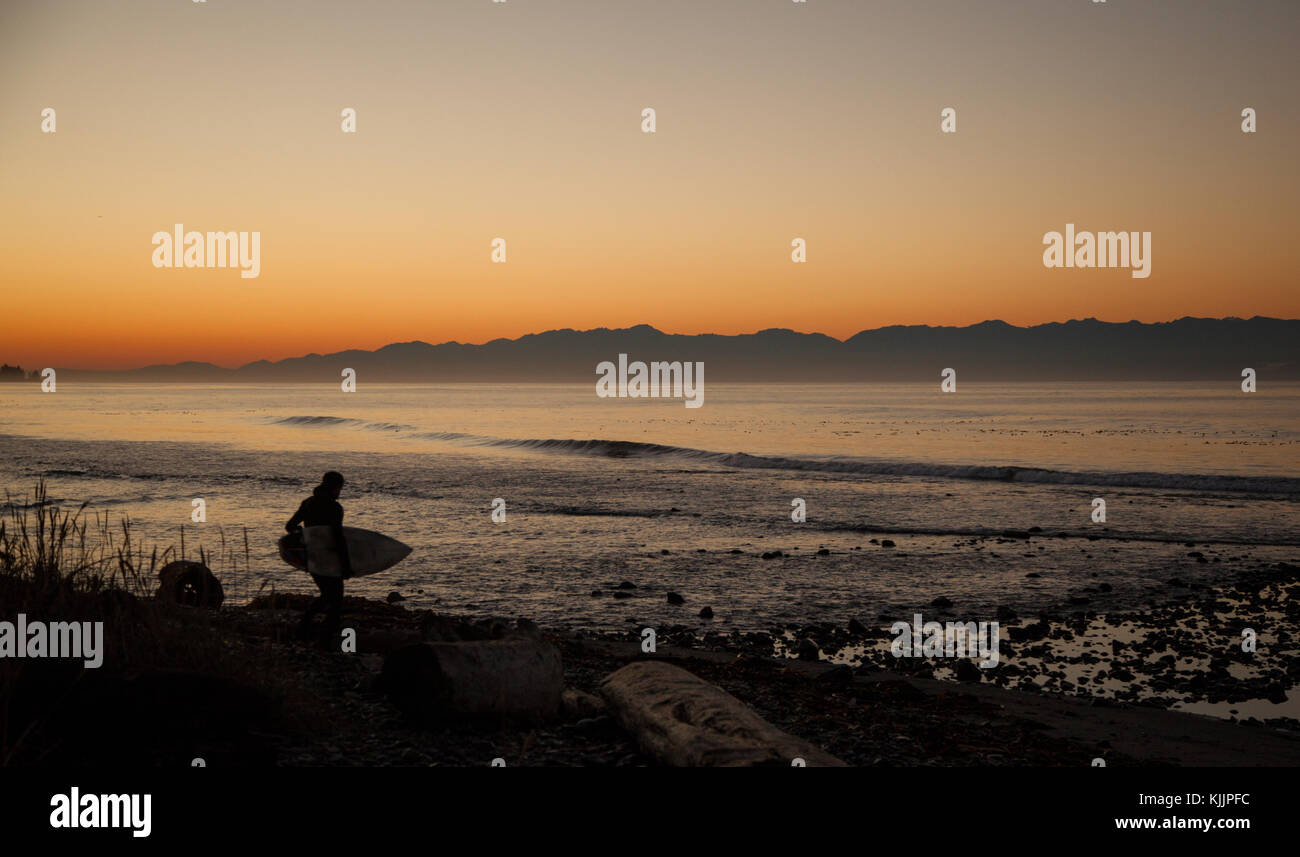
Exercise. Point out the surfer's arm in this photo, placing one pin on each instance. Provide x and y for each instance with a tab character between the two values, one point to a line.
296	519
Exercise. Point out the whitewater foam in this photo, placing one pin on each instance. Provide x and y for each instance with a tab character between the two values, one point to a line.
1287	487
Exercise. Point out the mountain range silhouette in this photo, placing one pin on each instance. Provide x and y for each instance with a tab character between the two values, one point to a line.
1088	349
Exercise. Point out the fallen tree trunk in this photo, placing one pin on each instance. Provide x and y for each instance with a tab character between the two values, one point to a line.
518	678
682	720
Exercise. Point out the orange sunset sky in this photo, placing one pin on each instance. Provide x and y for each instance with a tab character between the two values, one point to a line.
522	120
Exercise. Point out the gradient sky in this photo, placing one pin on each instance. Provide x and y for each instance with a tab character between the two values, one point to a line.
522	120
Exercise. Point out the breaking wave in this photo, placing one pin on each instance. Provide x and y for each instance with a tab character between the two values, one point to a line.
983	472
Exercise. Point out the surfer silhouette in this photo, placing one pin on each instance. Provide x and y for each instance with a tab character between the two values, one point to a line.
322	509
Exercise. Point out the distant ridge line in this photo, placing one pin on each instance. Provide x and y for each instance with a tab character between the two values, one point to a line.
1086	349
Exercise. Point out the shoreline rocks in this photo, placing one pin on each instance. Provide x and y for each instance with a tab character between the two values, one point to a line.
191	584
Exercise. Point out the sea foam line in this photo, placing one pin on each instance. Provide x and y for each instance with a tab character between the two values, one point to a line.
1288	487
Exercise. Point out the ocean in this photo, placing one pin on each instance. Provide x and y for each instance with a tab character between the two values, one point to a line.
602	491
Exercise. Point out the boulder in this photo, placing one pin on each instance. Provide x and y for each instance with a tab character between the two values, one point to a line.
518	678
190	583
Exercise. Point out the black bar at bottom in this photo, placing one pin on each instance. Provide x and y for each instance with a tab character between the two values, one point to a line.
644	806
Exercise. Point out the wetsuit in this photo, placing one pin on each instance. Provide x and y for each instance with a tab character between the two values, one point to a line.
322	510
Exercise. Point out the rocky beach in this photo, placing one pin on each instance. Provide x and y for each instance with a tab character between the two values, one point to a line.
1055	700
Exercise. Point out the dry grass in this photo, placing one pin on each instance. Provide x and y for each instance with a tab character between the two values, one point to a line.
70	565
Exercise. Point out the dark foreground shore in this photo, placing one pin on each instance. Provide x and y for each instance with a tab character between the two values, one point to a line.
271	698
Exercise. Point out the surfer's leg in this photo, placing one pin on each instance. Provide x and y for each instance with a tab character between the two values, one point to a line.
332	599
317	603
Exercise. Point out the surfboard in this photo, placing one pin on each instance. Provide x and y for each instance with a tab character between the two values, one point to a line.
370	552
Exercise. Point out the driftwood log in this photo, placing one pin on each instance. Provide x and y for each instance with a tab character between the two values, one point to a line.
682	720
519	678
